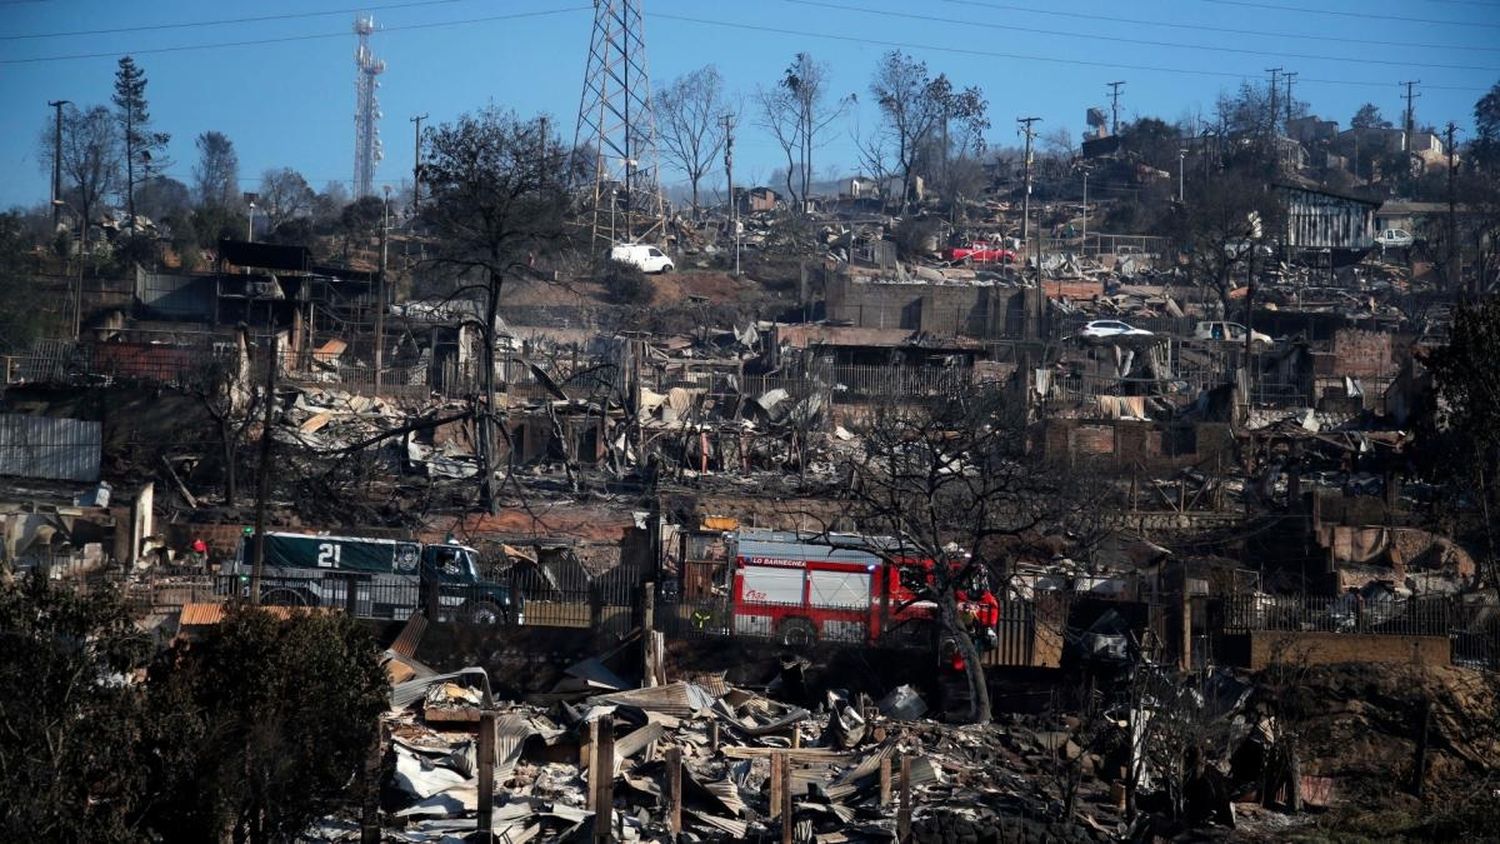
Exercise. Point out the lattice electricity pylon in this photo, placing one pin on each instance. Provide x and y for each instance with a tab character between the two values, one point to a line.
367	147
616	125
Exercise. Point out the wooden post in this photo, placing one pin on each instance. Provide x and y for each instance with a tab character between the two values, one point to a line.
713	734
486	765
903	814
788	816
674	791
796	738
351	596
653	652
885	781
602	779
648	607
778	761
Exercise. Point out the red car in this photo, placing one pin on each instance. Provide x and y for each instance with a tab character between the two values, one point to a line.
980	253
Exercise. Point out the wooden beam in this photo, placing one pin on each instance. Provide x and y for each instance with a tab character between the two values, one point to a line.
903	815
885	781
674	790
602	780
485	762
788	816
778	761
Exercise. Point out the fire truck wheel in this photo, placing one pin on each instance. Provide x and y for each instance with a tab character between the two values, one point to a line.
797	633
482	612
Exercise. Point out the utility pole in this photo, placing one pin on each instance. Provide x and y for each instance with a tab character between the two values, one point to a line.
734	207
416	162
1085	248
1273	71
1181	178
263	476
1289	76
1407	125
1455	278
57	159
1026	213
1114	107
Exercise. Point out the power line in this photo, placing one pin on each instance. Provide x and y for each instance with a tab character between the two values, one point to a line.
290	38
909	45
228	21
1008	7
1341	14
1124	40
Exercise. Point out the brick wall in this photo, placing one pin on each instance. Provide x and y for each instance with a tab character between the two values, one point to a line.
1362	354
1330	648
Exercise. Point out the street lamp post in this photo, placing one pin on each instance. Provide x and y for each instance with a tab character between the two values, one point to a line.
250	226
1181	160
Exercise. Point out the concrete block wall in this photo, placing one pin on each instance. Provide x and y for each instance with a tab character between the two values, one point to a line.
940	309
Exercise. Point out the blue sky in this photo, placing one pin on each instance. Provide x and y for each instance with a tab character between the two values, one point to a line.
290	102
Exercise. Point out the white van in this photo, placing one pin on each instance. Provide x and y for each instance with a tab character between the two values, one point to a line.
648	258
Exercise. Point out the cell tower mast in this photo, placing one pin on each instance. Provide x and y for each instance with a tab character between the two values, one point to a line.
617	126
367	148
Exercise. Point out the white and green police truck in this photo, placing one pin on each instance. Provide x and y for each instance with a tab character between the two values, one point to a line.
391	578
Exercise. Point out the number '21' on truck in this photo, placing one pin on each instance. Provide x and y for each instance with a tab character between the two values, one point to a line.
391	579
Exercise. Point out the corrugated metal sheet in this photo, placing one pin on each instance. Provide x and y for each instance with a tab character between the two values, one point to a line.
49	448
204	614
681	699
1317	220
177	295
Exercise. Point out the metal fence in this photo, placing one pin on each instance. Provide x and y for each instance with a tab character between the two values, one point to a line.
594	605
1473	631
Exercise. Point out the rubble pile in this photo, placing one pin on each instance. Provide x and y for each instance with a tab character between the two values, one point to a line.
841	766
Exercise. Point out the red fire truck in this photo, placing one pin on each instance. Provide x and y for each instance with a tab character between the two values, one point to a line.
799	589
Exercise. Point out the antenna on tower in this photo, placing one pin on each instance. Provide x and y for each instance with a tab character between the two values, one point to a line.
616	125
367	147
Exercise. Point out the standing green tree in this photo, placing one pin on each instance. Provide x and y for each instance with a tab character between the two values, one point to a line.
262	727
1485	148
68	763
497	200
143	147
1468	439
1369	117
217	173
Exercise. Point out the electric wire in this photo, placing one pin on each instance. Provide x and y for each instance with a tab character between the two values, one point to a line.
291	38
1406	45
1146	42
228	21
